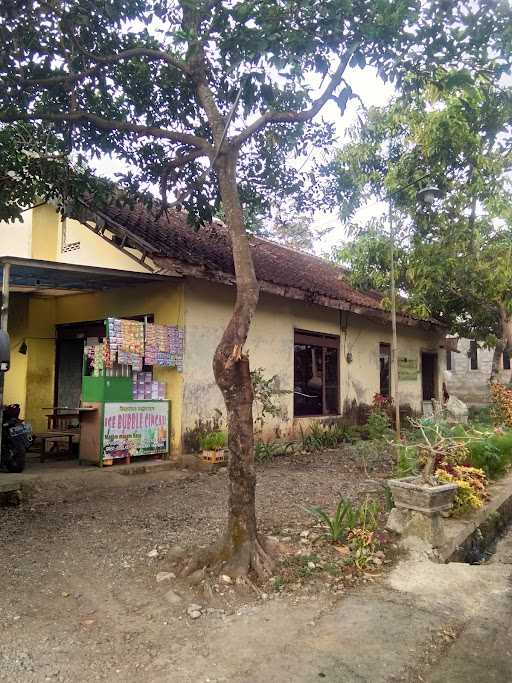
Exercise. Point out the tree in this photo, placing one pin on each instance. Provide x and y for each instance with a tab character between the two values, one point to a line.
209	98
456	262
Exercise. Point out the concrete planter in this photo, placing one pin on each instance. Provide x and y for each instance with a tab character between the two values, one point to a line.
411	493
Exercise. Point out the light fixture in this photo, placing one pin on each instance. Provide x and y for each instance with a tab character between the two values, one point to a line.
23	348
429	194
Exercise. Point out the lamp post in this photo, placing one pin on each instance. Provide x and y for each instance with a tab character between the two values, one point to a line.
427	196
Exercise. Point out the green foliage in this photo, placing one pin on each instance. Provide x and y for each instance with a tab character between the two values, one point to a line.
455	133
479	416
266	393
267	450
348	516
378	425
408	464
202	427
478	446
136	71
214	441
319	437
492	453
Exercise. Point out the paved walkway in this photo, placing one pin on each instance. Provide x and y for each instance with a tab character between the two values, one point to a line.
426	622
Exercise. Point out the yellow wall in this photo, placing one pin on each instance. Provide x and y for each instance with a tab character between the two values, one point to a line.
44	233
92	250
15	388
40	235
37	317
270	346
16	238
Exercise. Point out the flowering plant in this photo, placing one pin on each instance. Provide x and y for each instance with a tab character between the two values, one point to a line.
471	486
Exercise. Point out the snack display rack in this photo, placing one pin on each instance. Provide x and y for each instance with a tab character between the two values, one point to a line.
131	414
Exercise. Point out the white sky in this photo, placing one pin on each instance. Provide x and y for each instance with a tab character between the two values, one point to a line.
373	92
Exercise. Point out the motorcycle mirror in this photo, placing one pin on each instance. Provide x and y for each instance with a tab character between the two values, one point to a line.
5	351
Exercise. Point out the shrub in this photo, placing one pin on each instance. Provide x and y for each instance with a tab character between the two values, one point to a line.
471	486
214	441
348	516
363	544
203	427
266	450
480	416
501	410
378	425
319	437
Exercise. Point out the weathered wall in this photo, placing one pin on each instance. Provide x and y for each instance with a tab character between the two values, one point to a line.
270	345
472	386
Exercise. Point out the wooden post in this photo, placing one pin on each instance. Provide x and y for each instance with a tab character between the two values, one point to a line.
394	345
4	317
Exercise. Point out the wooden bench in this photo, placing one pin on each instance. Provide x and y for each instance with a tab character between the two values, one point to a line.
56	437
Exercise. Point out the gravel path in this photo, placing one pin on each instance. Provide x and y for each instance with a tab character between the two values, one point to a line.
80	600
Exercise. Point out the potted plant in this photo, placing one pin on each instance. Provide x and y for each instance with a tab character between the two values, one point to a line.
212	447
424	493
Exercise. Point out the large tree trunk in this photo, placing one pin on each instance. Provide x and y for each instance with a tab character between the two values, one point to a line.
504	343
240	548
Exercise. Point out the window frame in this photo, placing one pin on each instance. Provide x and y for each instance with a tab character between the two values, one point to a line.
505	360
449	360
325	341
387	345
473	354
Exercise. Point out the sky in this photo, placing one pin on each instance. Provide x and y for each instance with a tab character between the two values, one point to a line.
373	92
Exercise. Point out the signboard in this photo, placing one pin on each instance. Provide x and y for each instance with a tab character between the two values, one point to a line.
407	369
135	428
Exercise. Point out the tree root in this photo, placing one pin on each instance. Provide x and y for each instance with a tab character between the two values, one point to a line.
258	555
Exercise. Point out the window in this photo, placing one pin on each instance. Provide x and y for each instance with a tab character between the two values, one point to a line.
385	369
506	360
448	360
473	354
316	369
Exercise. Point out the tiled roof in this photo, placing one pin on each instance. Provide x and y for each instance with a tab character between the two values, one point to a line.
170	241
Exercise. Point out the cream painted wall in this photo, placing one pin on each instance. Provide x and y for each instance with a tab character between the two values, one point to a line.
270	346
16	238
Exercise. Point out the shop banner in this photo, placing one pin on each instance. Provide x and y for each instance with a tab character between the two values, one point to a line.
136	428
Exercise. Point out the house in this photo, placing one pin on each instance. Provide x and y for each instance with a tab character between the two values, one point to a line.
326	345
468	371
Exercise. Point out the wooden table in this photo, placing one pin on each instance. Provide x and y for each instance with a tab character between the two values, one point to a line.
55	436
63	423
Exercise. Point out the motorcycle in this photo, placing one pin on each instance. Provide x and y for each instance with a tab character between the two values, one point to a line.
16	438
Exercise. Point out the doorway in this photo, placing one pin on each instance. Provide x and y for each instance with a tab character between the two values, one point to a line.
428	375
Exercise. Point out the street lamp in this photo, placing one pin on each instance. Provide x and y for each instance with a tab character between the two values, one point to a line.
426	196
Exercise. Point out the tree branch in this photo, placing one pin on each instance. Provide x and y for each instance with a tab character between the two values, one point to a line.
102	60
178	162
108	124
298	116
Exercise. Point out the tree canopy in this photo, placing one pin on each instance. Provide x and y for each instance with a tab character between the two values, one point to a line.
455	261
121	77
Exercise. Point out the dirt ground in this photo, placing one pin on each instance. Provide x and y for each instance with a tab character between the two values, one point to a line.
80	599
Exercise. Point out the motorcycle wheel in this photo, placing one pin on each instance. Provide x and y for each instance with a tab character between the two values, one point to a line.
15	460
